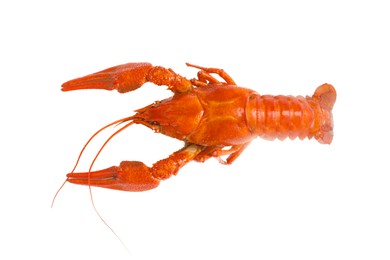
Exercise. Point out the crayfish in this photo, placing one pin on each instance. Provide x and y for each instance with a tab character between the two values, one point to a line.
213	117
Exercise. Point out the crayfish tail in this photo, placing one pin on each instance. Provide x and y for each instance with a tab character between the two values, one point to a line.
325	96
286	116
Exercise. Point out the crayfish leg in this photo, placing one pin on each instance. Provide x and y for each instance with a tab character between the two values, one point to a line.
212	151
205	78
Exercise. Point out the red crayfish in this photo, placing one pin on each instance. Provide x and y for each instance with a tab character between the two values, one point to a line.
213	118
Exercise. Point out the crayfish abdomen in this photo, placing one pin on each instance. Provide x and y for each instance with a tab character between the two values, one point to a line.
287	116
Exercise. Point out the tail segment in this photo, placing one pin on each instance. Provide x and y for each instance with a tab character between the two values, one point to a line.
325	95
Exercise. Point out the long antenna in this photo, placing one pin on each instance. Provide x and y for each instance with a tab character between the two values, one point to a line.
120	121
117	122
90	188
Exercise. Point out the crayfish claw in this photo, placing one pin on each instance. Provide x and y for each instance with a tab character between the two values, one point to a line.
124	78
129	176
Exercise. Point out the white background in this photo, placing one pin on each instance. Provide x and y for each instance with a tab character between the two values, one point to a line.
279	200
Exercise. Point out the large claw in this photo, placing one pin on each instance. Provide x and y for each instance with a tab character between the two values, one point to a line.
129	176
128	77
124	78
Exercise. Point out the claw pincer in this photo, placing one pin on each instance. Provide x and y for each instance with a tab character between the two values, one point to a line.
124	78
129	176
214	118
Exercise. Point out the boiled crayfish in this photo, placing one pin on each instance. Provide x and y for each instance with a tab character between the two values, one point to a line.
213	118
